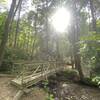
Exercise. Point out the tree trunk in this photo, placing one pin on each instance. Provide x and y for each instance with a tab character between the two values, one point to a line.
74	39
17	26
76	46
94	29
18	4
47	34
72	61
77	61
57	49
6	30
93	15
33	44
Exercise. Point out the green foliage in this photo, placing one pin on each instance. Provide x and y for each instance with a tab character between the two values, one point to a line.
34	22
50	97
46	88
6	66
89	49
98	26
2	19
91	36
15	54
11	56
3	1
96	80
93	81
90	82
45	84
7	62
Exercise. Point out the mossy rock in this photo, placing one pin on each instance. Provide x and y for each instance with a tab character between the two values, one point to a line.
71	75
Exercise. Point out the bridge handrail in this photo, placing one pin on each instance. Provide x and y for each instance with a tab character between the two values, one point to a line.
36	67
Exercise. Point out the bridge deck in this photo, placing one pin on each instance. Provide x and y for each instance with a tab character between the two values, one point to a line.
34	78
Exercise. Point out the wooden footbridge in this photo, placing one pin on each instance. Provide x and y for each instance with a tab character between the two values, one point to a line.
32	73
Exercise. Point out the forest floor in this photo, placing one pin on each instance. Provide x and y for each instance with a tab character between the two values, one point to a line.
64	90
8	91
72	91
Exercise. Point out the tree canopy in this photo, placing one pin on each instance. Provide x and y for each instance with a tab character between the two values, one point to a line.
27	33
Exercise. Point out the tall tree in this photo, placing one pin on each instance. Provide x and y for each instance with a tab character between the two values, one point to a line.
74	37
17	24
6	30
93	15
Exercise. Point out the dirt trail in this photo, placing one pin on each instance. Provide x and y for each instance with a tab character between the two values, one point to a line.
67	90
8	91
36	94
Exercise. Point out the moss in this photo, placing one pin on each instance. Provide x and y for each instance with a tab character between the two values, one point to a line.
71	74
89	82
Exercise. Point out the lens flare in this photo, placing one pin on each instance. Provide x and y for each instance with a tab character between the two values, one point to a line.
61	20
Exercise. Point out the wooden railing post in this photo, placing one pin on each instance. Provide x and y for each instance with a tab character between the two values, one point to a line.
22	76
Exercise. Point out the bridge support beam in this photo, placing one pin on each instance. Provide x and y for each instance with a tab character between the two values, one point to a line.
18	95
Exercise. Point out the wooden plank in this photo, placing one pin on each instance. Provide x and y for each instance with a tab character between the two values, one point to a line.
18	95
30	80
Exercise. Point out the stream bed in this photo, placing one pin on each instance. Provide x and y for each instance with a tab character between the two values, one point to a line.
73	91
65	89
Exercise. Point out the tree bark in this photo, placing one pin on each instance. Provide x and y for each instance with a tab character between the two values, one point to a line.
94	29
6	30
74	39
46	25
76	47
33	44
17	26
17	6
93	15
77	61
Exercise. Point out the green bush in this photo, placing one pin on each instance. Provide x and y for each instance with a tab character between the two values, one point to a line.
6	65
15	54
10	56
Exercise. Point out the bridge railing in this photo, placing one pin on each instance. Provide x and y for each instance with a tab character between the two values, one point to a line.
29	68
29	71
25	69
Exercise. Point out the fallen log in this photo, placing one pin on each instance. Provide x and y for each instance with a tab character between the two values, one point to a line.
18	95
21	92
